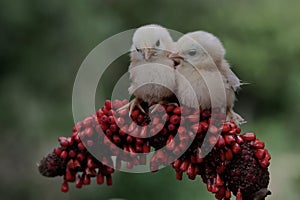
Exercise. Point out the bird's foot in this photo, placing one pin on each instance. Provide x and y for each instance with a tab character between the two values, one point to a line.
131	105
236	118
154	107
123	107
135	102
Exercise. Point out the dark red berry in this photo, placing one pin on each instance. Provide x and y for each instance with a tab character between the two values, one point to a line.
65	187
175	119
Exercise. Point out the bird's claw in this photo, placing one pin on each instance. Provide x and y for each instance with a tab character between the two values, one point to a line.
154	107
123	107
131	105
236	118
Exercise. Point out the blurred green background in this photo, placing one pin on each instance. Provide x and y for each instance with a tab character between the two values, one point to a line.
43	43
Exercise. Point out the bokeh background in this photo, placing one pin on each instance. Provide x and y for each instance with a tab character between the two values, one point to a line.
43	43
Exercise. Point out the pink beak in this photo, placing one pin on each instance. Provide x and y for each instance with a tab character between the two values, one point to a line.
147	53
175	56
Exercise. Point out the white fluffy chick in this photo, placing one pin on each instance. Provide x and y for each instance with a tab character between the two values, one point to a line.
200	54
152	72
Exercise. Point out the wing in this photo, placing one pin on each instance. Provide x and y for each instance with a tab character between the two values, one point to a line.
230	78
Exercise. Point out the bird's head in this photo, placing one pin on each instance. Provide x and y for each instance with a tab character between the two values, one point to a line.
151	42
198	47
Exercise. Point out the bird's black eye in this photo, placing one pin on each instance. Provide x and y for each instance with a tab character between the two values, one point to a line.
157	43
192	52
138	50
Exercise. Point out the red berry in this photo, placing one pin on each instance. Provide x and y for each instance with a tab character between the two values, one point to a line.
193	118
111	113
89	132
179	175
232	132
227	194
229	139
63	141
139	141
236	148
76	164
78	182
57	151
140	118
219	181
125	102
182	130
129	139
108	180
155	120
184	165
113	128
220	142
165	117
177	111
170	108
204	126
89	121
64	154
116	139
89	143
239	139
80	157
146	148
264	163
170	143
108	132
228	154
196	128
72	154
86	180
131	127
65	187
260	154
90	163
176	164
117	104
213	129
100	179
226	128
135	114
111	119
69	176
191	171
206	113
268	156
259	144
249	136
107	104
171	127
104	118
175	119
212	140
239	195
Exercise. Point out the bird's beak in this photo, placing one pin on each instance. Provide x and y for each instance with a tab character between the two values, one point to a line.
175	56
147	53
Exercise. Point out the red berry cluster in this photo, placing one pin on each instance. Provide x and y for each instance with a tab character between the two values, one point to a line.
180	136
73	161
237	163
247	175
